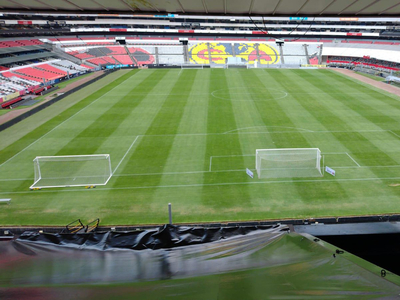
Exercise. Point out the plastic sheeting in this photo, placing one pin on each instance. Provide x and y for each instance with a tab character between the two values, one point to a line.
167	236
256	264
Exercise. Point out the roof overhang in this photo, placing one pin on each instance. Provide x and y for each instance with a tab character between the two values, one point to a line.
309	8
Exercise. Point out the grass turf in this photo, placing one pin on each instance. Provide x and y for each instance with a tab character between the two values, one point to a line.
185	137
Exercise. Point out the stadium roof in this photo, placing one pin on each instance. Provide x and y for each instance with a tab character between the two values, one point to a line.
309	8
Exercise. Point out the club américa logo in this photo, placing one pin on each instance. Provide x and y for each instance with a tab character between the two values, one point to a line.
220	52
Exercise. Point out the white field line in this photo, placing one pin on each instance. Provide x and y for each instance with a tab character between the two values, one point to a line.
332	153
207	184
209	169
353	159
394	133
239	155
126	153
62	123
207	94
200	172
244	128
264	132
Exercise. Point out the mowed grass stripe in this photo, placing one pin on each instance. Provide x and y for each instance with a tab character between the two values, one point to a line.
36	134
368	116
373	94
91	138
186	154
300	192
359	146
273	114
21	129
155	150
221	118
86	141
357	103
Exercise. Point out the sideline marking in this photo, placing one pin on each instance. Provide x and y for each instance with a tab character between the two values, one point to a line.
65	121
265	132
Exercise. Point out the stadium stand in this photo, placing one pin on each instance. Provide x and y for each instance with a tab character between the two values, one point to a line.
123	59
38	74
116	50
49	68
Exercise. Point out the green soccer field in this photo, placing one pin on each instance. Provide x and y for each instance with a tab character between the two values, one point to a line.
186	137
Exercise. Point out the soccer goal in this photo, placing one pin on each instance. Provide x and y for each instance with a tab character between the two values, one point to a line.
291	162
71	170
191	66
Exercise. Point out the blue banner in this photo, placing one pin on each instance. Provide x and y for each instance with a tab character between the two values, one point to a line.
250	173
298	18
330	171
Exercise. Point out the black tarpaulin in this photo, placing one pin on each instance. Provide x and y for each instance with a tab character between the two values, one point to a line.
262	264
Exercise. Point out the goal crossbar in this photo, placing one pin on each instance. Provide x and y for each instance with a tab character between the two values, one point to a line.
71	170
288	162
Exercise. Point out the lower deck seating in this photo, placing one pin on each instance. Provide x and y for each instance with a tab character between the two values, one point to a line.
98	61
38	74
52	69
123	59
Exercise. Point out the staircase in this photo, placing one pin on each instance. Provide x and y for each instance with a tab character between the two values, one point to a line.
62	55
130	54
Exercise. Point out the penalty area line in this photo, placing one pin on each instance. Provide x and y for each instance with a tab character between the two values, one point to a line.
126	153
353	159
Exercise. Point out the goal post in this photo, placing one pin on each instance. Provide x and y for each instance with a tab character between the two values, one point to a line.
192	66
288	162
71	170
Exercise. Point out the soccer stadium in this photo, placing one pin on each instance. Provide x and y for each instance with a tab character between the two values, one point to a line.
199	149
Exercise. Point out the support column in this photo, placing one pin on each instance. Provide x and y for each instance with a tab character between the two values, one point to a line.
281	54
209	54
305	46
156	54
186	53
258	53
320	54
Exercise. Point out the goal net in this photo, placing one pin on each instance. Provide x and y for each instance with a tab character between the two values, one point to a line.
278	163
71	170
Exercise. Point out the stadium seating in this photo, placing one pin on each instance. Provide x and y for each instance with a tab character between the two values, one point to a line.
117	50
38	74
123	59
20	43
68	66
9	74
83	56
51	69
99	61
86	66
